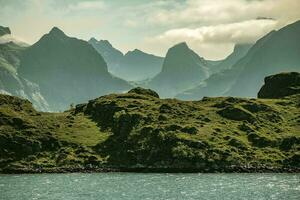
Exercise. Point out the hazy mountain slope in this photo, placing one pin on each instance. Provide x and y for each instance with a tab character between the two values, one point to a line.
222	77
182	69
68	70
276	52
139	131
280	53
239	51
111	55
135	65
10	82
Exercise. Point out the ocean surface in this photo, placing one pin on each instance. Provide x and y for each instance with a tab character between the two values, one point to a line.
137	186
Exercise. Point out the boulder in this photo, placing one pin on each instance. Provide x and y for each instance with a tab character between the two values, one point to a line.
280	85
143	91
237	113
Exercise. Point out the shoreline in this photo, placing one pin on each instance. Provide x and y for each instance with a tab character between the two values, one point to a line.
148	170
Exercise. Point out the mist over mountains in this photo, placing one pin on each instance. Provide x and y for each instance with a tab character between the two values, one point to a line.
59	70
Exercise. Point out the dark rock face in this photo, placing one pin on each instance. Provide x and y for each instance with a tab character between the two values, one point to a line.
4	30
280	85
142	91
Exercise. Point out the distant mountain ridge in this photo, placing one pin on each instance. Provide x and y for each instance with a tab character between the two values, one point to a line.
135	65
10	81
278	51
182	69
111	55
59	70
239	51
68	70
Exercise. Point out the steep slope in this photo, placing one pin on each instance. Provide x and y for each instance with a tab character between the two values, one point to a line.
222	76
68	70
135	65
239	51
138	131
281	52
12	83
276	52
182	69
111	55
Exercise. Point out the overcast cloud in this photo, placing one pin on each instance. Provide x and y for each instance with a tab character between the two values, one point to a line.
210	27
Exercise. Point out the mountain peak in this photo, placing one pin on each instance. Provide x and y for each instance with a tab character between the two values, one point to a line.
4	31
137	51
93	40
181	45
242	46
134	52
56	31
105	43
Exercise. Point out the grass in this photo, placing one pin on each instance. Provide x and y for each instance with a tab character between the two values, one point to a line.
79	130
127	130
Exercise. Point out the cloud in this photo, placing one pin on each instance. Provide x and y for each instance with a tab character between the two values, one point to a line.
215	41
87	5
240	32
130	23
10	38
211	27
219	11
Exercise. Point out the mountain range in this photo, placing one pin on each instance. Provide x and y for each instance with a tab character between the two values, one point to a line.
59	70
182	69
10	81
276	52
68	70
135	65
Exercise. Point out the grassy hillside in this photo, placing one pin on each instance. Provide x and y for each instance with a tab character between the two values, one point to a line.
139	131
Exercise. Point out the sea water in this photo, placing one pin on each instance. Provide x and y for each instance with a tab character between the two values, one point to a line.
152	186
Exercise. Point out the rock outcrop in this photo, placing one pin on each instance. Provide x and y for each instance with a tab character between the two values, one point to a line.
142	91
280	85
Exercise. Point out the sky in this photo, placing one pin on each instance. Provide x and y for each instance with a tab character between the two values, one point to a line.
210	27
